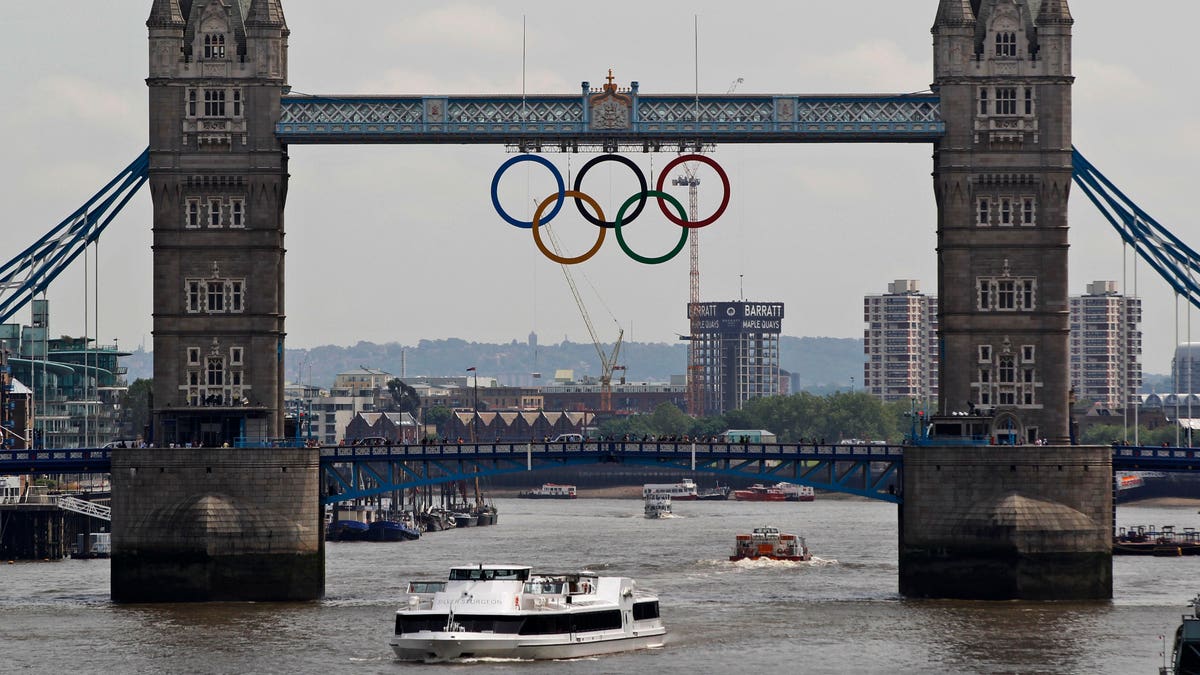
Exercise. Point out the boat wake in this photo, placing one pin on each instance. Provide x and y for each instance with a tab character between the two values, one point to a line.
767	563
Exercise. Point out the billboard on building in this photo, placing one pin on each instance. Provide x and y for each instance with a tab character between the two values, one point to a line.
736	318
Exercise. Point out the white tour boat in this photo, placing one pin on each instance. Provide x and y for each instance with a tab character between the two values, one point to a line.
506	611
658	506
684	490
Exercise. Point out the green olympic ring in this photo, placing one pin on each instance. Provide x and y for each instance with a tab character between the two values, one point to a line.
683	231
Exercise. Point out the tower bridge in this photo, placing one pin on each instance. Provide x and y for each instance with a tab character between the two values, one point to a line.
998	118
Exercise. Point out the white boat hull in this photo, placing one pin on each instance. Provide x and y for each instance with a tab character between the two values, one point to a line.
431	647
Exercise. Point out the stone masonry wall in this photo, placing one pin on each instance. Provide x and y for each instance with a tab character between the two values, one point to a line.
1027	522
216	524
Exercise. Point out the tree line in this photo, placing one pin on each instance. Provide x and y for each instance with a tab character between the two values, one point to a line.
796	418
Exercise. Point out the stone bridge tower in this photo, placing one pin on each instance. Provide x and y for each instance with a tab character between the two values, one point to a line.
1002	176
218	177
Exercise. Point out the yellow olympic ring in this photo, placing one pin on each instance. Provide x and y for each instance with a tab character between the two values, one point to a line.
537	220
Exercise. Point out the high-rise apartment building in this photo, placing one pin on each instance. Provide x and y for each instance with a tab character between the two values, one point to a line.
737	348
1106	341
901	343
1185	368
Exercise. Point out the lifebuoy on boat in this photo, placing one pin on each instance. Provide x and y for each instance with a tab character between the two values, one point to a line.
517	601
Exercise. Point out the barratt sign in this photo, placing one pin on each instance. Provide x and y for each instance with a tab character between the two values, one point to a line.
737	317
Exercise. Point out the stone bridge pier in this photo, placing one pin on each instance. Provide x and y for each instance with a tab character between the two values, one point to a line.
1010	522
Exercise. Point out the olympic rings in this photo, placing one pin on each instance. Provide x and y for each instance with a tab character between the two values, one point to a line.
662	176
527	158
537	221
611	158
579	196
683	231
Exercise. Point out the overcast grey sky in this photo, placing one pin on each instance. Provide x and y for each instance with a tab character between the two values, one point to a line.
396	243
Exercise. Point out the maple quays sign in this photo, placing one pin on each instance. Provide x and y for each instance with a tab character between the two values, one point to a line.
737	317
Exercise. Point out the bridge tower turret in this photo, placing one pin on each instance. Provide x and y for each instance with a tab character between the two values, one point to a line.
1002	176
218	177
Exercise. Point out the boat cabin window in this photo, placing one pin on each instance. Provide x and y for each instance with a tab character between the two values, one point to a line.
645	610
426	586
544	588
477	574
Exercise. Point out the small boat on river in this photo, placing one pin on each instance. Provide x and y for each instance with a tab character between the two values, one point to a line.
507	611
760	493
1185	656
347	530
550	491
683	491
658	506
770	544
719	493
391	530
1149	540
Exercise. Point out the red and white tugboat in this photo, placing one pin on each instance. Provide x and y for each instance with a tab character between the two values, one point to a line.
770	543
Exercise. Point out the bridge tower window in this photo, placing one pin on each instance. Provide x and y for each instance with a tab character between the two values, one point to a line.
1006	101
216	296
216	373
237	213
214	46
214	212
1028	211
984	217
214	102
1006	44
192	219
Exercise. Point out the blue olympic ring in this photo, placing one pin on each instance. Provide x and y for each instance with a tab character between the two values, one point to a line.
528	224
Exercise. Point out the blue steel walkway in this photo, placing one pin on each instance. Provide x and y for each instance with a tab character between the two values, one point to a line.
360	471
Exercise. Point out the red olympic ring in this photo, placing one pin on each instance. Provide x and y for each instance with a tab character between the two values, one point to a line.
662	177
537	221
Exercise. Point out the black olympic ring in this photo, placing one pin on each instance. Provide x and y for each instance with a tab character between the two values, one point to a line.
641	189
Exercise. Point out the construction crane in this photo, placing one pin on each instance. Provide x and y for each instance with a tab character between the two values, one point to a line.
695	381
608	362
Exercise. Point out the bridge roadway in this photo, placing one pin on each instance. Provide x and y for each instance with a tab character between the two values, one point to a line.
352	472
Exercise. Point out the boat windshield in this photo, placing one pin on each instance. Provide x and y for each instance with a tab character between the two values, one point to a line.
544	588
485	574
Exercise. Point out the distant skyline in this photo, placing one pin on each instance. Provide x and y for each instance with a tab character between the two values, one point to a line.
397	243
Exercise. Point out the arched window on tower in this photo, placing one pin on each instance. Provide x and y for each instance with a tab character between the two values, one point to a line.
1006	43
214	46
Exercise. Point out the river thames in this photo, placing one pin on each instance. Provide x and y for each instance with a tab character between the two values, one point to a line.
838	614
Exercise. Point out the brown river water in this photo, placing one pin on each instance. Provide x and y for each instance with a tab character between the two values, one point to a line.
838	614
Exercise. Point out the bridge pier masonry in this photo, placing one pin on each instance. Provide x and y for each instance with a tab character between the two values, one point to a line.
1007	522
193	525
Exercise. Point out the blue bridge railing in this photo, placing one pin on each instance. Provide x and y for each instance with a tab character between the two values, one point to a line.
354	472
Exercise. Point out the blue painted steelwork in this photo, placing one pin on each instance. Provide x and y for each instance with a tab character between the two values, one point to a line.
1174	261
72	460
355	472
1136	458
31	271
563	123
864	470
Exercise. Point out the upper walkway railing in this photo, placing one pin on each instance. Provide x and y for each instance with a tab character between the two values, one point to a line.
97	460
574	123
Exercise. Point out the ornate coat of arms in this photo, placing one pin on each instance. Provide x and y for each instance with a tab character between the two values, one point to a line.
611	109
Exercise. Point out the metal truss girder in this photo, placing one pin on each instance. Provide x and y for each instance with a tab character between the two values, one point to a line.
658	123
1173	260
31	271
1176	460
